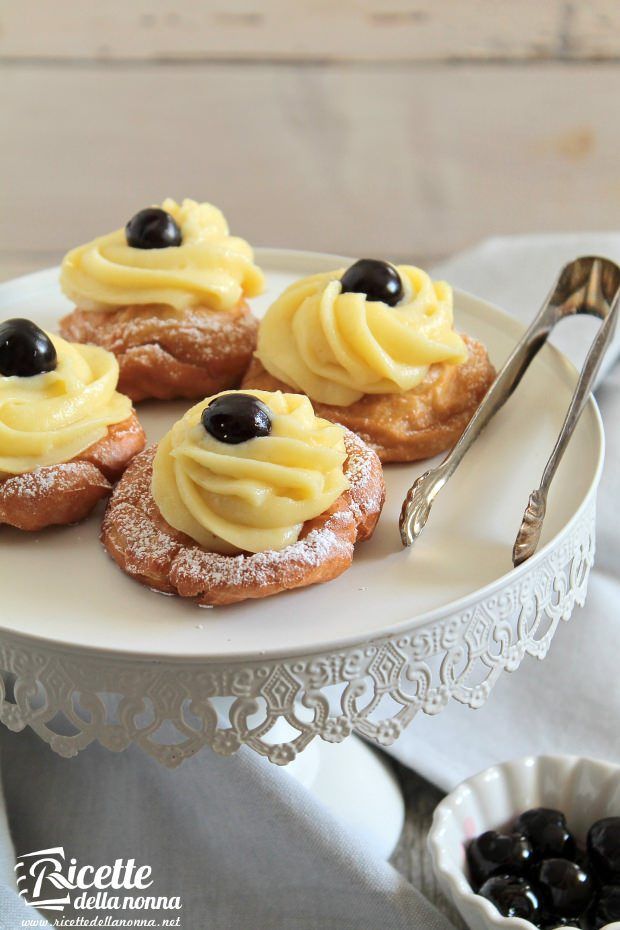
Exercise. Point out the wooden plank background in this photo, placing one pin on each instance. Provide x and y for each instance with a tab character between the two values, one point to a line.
312	30
401	128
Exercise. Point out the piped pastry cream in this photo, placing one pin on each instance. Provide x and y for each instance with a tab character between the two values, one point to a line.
375	349
248	495
168	296
208	266
255	494
336	346
66	433
53	416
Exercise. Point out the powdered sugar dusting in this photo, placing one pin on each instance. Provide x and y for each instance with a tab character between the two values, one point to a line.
195	571
37	483
194	336
48	481
363	469
145	546
52	494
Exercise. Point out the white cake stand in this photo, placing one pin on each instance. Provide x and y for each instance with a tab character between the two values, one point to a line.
82	646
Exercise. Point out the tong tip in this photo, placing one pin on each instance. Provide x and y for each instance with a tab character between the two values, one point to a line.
415	510
528	536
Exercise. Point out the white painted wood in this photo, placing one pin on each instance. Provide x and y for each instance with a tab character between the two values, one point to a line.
313	30
396	160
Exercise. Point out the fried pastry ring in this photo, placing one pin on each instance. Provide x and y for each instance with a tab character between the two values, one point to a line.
415	425
192	353
66	493
151	551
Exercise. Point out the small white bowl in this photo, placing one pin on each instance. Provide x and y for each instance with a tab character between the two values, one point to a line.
584	789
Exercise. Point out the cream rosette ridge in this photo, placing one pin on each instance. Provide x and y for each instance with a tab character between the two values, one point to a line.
210	268
256	495
52	417
336	347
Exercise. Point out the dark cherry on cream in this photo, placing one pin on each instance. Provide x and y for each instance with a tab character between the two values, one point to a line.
153	228
235	418
25	350
377	280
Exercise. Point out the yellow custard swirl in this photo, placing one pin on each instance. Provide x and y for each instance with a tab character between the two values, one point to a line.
336	347
210	268
255	495
52	417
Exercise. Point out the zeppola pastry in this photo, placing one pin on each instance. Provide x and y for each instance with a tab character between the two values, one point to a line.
65	431
374	349
167	295
249	494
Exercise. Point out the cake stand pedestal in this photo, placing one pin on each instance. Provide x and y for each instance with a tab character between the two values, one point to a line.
358	787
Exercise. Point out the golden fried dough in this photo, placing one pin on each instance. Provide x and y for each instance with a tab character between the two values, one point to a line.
151	551
415	425
167	354
66	493
112	454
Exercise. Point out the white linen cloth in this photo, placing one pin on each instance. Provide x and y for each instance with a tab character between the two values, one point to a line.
241	843
517	272
244	845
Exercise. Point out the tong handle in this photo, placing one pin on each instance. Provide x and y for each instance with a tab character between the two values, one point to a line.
589	286
582	392
528	536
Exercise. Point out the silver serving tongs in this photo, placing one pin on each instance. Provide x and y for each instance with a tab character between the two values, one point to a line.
587	285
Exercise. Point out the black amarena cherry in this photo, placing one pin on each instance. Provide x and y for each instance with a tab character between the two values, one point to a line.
577	887
378	280
25	350
566	888
493	852
153	228
552	923
548	833
606	908
513	896
235	418
604	848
